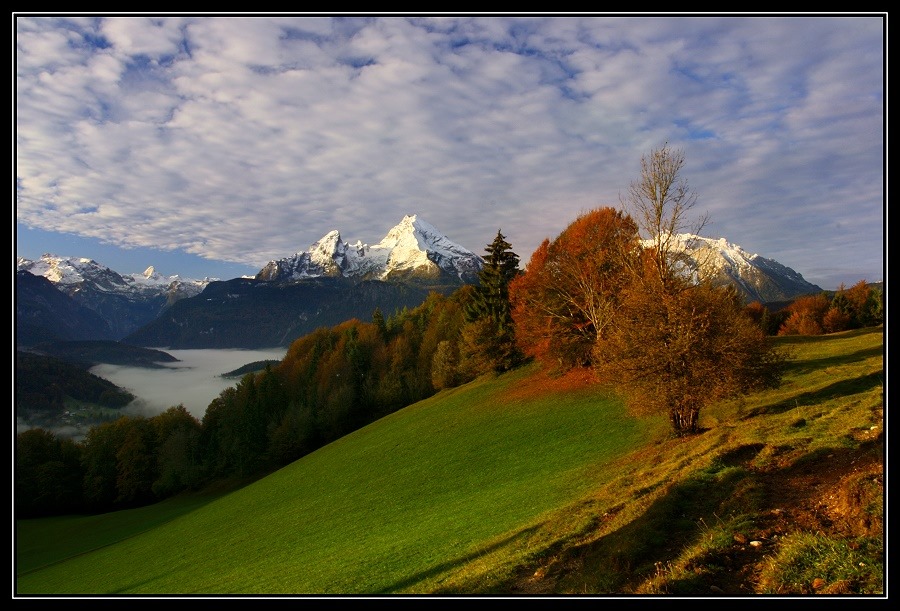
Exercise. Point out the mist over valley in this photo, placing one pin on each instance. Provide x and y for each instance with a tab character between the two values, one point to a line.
194	381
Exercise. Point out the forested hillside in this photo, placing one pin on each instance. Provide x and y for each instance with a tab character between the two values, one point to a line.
48	391
595	300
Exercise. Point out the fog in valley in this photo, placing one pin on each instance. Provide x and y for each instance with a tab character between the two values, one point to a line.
194	381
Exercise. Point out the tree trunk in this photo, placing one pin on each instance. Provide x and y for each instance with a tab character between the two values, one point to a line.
684	419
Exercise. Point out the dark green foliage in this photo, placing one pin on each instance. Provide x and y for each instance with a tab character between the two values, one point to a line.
491	296
331	382
129	462
43	384
178	454
490	336
48	475
136	462
254	367
100	463
379	322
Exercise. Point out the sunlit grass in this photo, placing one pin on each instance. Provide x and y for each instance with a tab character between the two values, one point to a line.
813	563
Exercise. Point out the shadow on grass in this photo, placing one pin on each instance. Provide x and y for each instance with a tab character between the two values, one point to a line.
806	366
843	388
457	562
618	562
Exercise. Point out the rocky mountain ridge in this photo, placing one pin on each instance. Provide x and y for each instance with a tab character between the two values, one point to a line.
413	249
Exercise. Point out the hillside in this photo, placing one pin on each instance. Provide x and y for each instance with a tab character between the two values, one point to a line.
51	392
532	485
87	353
44	313
227	314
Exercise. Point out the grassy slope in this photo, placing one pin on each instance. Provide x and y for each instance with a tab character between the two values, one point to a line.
389	508
772	467
493	487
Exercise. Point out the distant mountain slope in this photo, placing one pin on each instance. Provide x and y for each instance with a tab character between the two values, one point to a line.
249	313
43	313
44	384
87	353
126	302
757	278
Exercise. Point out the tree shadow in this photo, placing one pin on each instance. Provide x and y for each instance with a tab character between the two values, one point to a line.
843	388
808	365
456	562
616	563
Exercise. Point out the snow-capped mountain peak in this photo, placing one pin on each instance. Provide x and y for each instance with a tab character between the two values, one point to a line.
125	301
72	274
411	248
758	278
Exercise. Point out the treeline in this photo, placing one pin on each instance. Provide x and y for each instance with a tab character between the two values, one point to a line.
43	384
861	305
331	382
255	366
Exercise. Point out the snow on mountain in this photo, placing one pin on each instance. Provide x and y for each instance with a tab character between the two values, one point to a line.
413	248
74	274
758	278
414	244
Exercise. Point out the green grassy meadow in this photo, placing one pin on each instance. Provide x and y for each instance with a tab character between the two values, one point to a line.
464	491
390	508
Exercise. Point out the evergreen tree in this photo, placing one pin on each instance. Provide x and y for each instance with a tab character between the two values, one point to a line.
490	308
491	296
379	322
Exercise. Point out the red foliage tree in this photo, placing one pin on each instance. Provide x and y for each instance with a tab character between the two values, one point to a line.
569	291
806	317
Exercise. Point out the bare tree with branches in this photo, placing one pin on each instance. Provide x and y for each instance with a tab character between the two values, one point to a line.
660	202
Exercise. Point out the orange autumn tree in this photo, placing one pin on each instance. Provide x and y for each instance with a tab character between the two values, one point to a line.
858	306
677	351
807	314
643	313
569	290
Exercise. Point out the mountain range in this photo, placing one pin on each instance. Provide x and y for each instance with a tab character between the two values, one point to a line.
328	283
412	250
125	302
757	278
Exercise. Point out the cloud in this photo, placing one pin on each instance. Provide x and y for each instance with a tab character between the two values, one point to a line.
245	139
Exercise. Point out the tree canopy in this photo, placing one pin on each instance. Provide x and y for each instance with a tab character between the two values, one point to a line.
569	291
638	309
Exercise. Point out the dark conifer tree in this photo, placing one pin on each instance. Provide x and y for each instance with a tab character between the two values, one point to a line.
491	296
490	308
379	322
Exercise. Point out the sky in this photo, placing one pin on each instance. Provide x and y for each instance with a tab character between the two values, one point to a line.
207	145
